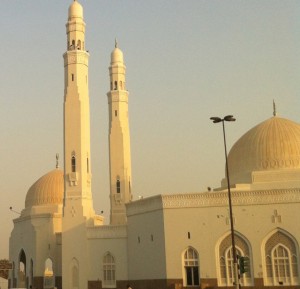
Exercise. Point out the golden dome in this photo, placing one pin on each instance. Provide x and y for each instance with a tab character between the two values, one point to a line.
271	145
49	189
75	10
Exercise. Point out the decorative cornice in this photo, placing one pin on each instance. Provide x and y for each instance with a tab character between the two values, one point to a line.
23	218
76	57
213	199
107	232
74	25
117	96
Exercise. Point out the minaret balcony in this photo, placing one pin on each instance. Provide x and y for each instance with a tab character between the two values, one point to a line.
76	57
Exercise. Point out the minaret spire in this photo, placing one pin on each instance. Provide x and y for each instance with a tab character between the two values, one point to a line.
116	43
119	139
57	158
274	108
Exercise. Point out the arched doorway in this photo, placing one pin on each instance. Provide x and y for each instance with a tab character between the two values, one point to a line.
22	270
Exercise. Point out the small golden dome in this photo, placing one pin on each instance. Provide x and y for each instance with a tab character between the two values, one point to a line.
49	189
271	145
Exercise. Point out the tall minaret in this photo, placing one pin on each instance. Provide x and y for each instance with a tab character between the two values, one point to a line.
77	164
78	205
119	140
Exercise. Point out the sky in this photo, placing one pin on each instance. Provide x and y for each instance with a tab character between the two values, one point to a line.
186	61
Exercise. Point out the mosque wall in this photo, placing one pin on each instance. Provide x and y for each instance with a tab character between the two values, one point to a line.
201	222
146	241
107	243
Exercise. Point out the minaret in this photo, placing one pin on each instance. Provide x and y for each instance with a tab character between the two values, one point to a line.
119	140
78	210
77	164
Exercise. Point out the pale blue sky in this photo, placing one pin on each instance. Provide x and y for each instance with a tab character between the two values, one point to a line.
186	61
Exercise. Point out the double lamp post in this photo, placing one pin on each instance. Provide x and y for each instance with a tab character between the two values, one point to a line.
234	253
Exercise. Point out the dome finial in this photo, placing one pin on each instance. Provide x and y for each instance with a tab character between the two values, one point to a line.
116	43
57	155
274	108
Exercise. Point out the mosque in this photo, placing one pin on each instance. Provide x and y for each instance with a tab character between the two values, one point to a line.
164	241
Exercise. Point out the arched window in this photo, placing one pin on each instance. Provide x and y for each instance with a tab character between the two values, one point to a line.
78	45
281	260
73	164
226	264
75	278
118	186
229	264
109	271
49	281
191	268
73	45
116	85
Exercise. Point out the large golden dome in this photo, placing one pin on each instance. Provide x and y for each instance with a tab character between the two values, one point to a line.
271	145
49	189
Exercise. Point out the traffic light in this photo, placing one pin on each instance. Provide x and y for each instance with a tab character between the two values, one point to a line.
244	264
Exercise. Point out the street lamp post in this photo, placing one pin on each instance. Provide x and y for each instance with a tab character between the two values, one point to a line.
235	264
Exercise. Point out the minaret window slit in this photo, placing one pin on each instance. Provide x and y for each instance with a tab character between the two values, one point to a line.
72	77
118	185
73	164
116	85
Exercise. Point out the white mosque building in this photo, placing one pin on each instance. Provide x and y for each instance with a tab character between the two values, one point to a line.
164	241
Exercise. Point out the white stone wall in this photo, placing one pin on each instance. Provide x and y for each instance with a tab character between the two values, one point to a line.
205	218
103	239
36	235
146	241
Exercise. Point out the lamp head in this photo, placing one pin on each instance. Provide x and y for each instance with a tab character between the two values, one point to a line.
216	119
229	118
